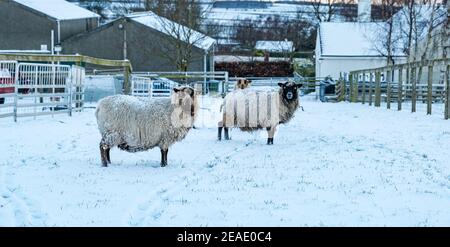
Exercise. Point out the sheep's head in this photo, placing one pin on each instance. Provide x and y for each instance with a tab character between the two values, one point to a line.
289	90
243	83
184	96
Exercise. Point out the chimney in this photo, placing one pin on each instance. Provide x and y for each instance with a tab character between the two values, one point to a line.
364	9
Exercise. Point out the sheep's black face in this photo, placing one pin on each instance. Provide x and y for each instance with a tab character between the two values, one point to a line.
289	90
243	83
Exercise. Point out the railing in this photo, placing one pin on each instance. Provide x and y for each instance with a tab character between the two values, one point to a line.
153	88
418	84
208	82
31	89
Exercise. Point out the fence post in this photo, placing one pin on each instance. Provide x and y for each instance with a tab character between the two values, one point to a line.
16	89
430	88
377	88
355	88
388	89
363	88
447	92
400	88
350	87
370	87
126	80
413	89
72	78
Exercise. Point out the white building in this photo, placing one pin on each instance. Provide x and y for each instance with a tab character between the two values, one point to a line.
275	46
348	46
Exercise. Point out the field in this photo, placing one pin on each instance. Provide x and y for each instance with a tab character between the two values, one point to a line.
336	164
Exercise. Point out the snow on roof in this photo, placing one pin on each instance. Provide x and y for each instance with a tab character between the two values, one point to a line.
275	46
353	39
58	9
173	29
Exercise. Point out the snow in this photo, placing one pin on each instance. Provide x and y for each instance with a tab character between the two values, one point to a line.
275	46
334	164
173	29
58	9
351	38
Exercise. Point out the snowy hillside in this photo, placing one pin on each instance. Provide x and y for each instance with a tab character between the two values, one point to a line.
333	164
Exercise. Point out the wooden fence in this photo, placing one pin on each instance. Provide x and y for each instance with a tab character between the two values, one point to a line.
418	83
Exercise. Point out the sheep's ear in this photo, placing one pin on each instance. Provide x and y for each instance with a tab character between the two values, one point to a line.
249	81
280	84
176	90
298	85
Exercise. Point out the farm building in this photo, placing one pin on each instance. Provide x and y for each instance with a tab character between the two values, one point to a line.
147	40
347	46
27	24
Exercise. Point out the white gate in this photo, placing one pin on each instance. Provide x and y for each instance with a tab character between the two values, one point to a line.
40	89
8	74
154	88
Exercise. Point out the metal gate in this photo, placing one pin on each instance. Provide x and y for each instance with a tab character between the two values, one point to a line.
8	74
40	89
154	88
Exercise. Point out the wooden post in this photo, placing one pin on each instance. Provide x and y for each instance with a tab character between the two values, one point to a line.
350	89
370	87
355	87
388	89
447	92
430	89
413	89
377	88
126	80
400	88
363	100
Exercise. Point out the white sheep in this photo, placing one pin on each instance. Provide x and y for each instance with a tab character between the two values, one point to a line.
252	110
137	124
241	83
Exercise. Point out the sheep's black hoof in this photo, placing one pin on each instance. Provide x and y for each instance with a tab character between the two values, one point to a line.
104	163
163	164
227	136
219	133
269	141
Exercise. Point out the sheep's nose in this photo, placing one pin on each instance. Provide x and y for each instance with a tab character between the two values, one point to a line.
289	95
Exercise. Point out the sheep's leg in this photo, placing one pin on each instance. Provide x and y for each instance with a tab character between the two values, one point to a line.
270	133
227	137
219	130
108	158
164	157
219	133
104	153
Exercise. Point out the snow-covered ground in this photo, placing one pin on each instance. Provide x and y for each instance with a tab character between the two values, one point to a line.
336	164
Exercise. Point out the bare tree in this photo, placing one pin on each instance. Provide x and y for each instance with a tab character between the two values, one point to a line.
326	10
99	7
387	37
180	19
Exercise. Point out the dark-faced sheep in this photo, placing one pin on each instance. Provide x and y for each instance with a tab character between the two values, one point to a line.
137	124
242	83
252	110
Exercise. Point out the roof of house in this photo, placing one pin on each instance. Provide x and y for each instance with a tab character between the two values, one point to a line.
58	9
274	46
173	29
353	39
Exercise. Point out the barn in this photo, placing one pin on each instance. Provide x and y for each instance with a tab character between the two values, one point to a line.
28	24
148	41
